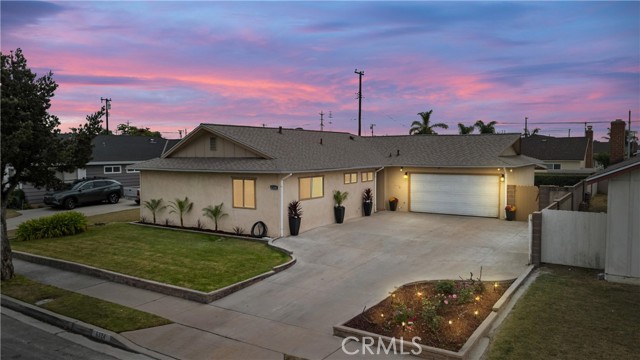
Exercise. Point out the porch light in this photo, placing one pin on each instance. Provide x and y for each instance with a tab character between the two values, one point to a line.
510	170
401	168
501	178
406	175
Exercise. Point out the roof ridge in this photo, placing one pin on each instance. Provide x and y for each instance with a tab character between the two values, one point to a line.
276	128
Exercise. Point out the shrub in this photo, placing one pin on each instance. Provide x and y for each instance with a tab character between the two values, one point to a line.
63	224
17	200
238	230
446	287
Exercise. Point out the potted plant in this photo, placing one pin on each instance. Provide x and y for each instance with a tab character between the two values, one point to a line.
511	212
367	201
393	203
339	197
295	217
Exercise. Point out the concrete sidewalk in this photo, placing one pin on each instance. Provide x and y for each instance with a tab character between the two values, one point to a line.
340	269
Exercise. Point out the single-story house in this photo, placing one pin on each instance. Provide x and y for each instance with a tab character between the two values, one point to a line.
561	154
257	171
622	259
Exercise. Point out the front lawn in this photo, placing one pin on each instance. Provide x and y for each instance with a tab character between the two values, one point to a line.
567	313
107	315
196	261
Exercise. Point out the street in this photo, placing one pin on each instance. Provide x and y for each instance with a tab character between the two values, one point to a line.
27	338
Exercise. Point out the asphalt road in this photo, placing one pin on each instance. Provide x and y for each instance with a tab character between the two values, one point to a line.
25	338
88	210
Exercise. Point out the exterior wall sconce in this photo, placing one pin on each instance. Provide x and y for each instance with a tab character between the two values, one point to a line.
401	168
501	178
406	175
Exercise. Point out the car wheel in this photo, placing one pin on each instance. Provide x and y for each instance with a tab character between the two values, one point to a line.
113	198
70	203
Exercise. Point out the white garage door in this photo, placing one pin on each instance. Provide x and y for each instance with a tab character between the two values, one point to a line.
475	195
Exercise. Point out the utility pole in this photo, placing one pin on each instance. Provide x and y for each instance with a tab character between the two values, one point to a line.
106	107
526	130
361	74
371	127
321	120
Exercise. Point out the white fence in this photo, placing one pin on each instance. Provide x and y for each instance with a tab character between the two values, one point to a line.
574	238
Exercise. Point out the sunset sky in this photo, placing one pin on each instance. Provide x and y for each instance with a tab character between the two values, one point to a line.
172	65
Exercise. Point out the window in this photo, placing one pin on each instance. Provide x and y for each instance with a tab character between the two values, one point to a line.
113	169
367	176
311	187
553	166
350	178
131	171
212	144
244	193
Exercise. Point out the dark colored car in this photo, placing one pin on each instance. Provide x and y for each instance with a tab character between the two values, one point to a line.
86	191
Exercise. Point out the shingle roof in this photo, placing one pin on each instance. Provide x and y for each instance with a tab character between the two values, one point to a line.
550	148
291	150
600	147
127	148
616	169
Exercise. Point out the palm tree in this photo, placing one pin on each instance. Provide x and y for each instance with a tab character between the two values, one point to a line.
214	213
155	206
488	128
423	127
464	130
181	207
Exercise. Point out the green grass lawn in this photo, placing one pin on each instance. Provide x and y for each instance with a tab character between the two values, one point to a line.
196	261
118	216
104	314
568	314
11	213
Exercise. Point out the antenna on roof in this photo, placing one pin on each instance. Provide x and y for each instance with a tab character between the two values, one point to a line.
371	127
321	120
331	117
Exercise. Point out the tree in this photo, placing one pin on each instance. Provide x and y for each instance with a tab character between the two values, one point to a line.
181	207
31	145
464	130
155	206
488	128
126	129
602	159
528	133
423	127
214	213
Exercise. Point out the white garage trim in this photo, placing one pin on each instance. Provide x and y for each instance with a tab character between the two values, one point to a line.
474	195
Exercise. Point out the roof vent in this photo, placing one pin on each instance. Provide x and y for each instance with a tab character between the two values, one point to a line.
152	140
320	141
351	137
390	155
280	130
398	153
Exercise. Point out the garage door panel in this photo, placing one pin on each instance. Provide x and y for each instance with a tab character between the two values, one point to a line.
476	195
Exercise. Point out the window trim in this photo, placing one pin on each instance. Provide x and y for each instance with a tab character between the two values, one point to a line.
553	166
132	171
213	143
255	195
364	178
311	189
104	170
350	174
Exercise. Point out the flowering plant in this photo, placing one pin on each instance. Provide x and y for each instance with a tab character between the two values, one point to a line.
510	208
393	199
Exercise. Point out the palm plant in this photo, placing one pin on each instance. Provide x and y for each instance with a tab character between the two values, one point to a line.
181	207
214	213
339	197
464	130
424	127
155	206
488	128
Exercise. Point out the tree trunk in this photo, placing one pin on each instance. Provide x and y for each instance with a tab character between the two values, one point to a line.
7	261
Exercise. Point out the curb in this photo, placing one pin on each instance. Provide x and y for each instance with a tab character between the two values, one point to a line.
79	327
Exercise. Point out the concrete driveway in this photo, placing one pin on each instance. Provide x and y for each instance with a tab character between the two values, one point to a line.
340	270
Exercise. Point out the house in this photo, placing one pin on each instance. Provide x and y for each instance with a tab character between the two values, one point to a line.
559	154
257	171
110	157
622	259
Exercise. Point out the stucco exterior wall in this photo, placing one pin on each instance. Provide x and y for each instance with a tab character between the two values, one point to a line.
199	147
623	229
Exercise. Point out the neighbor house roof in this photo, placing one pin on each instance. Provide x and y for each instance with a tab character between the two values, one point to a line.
296	150
600	147
620	168
550	148
127	149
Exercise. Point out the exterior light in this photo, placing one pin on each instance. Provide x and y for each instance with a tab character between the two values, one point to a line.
401	168
477	298
419	293
450	322
475	313
501	178
406	175
510	170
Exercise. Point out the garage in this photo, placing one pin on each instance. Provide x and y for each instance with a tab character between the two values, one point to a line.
473	195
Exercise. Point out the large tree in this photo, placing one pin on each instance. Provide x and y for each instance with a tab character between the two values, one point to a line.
424	126
464	130
126	129
488	128
31	144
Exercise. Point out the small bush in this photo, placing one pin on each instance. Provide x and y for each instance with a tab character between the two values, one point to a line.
446	287
238	230
17	200
63	224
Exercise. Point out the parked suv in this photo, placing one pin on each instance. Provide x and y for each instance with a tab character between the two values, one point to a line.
86	191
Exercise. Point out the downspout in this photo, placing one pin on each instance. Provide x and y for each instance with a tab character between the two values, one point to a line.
282	203
375	188
505	189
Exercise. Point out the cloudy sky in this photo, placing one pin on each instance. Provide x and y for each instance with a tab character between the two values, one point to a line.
172	65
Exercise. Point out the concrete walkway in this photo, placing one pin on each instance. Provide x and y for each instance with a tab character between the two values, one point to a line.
340	270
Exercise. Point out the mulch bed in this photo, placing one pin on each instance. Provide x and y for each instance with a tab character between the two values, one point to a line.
442	319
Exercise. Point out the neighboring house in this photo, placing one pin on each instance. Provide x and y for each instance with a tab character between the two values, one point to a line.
622	259
559	154
111	156
257	171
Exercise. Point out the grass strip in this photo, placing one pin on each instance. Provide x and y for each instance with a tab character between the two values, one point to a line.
104	314
567	313
196	261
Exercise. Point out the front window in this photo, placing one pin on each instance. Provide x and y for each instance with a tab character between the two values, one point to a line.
244	193
367	176
553	166
113	169
311	187
351	178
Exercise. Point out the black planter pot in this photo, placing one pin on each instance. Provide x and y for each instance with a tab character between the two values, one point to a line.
339	213
511	215
294	226
393	205
367	207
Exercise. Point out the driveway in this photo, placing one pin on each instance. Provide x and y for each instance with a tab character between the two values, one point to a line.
340	270
89	210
